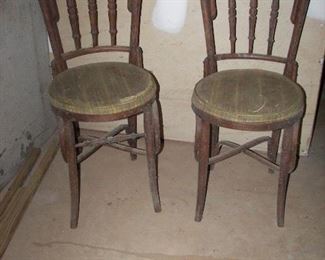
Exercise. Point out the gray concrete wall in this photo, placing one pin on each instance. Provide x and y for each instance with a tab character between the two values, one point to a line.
25	116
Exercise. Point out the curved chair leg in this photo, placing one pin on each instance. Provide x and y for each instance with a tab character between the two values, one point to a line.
215	147
288	159
197	141
273	147
204	151
132	128
157	123
62	138
74	174
152	157
77	135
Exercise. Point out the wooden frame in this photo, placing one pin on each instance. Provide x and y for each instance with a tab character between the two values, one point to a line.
207	144
71	141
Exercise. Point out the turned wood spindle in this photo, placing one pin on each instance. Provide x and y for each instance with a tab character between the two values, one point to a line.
112	16
273	23
252	24
232	24
74	22
93	17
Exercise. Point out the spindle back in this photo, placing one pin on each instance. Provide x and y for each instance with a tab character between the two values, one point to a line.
210	13
51	17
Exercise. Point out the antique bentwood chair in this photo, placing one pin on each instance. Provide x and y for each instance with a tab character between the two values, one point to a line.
249	99
101	92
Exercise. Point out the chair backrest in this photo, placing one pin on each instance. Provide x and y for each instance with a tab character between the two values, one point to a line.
51	17
210	13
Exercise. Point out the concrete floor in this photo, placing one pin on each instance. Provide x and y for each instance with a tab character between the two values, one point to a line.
117	220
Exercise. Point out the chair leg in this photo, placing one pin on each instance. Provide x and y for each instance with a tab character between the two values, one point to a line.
288	159
77	135
74	173
197	138
157	126
273	147
152	157
62	138
132	128
204	151
215	147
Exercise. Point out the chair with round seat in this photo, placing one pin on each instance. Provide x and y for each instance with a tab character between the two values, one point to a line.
102	92
249	99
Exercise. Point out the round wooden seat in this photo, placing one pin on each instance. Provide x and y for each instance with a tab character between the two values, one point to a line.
249	96
102	88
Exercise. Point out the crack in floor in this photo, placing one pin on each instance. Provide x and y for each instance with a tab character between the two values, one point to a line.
151	256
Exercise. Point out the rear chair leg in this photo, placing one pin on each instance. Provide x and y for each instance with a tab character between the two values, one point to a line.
132	128
152	157
273	147
62	138
74	174
203	155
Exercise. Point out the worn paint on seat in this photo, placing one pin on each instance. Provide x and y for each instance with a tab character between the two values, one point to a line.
249	95
102	88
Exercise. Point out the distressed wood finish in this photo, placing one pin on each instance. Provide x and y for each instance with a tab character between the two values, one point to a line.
112	16
232	24
203	155
207	144
299	15
93	16
74	21
152	156
273	146
252	24
273	23
127	83
214	9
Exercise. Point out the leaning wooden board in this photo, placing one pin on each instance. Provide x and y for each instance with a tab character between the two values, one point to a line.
15	209
22	174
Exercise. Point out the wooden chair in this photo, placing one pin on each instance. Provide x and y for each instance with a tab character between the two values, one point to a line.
101	92
249	99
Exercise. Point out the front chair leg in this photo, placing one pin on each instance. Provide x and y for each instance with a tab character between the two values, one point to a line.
74	174
152	157
273	147
132	128
288	159
62	138
203	156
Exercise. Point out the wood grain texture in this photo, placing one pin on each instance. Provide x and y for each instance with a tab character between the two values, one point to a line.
203	156
151	157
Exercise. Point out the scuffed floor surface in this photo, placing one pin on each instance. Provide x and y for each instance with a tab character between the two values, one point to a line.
117	220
